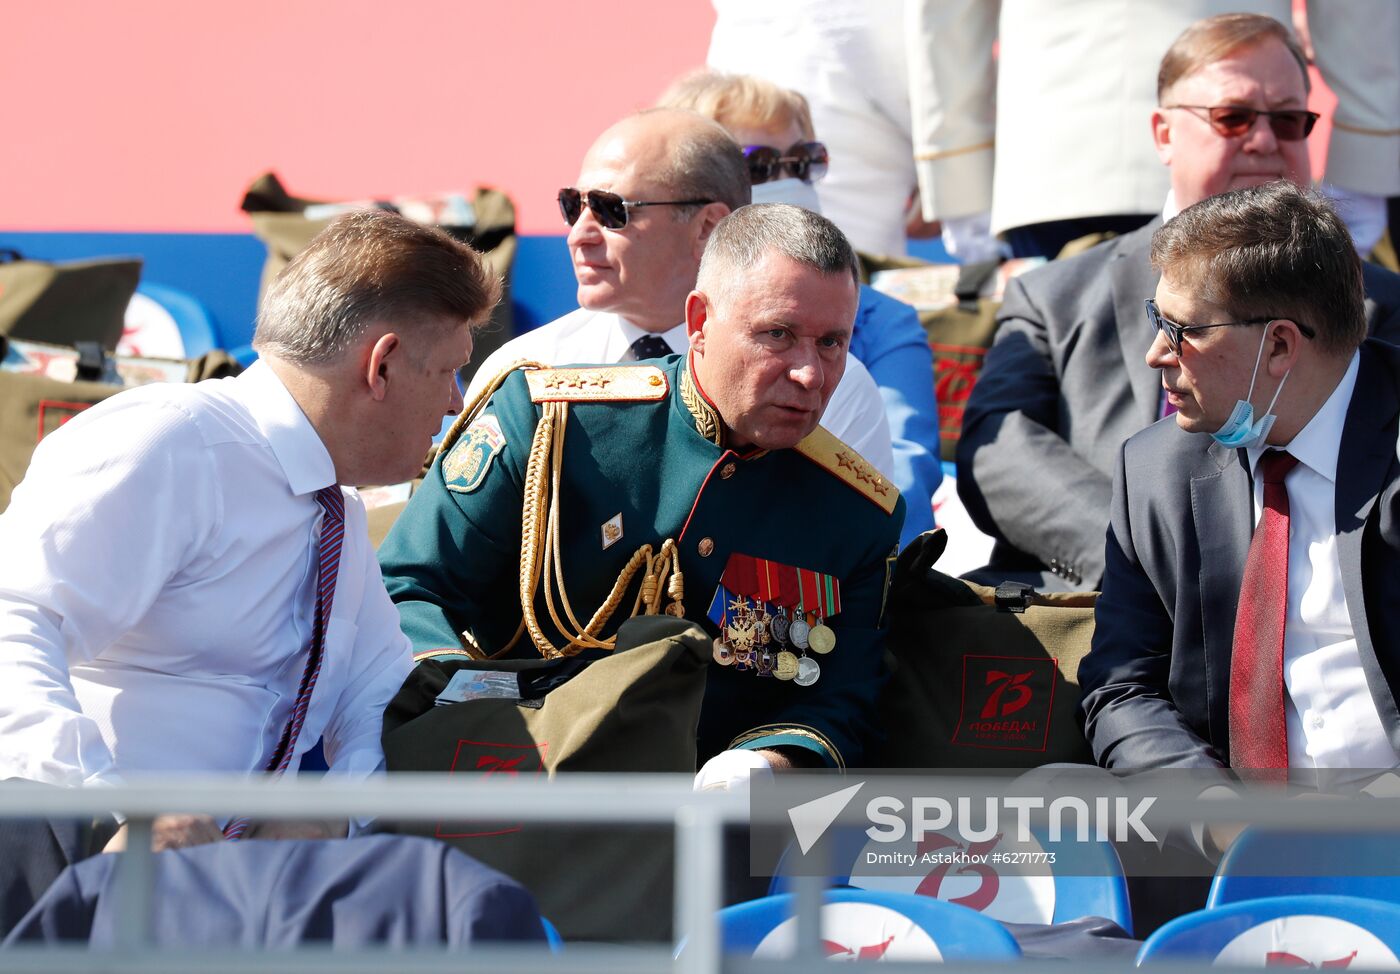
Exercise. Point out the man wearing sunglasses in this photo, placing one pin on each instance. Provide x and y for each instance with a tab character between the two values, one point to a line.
1252	593
648	195
1065	381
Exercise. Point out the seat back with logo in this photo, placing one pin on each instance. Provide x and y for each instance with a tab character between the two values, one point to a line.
957	305
1267	862
1313	932
859	924
1086	878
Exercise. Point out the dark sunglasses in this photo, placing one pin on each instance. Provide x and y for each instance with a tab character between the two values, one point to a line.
1232	121
609	209
1175	332
805	160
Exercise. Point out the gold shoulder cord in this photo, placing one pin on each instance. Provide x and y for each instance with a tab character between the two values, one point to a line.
540	553
539	517
470	410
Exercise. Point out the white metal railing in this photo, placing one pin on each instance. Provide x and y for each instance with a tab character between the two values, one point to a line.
619	799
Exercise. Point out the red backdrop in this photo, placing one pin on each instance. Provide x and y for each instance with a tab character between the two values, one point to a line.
153	115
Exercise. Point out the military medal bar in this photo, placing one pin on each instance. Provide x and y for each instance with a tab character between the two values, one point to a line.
771	615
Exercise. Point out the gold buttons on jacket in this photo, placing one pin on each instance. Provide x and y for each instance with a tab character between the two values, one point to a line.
706	547
727	471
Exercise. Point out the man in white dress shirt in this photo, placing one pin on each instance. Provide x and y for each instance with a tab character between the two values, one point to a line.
170	553
650	191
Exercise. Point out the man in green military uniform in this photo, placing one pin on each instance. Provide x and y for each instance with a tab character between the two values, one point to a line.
701	486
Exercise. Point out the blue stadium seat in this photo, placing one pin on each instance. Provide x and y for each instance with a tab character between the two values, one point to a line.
197	328
862	924
1283	931
1326	863
1085	880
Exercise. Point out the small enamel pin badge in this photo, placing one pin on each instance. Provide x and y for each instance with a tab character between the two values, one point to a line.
612	530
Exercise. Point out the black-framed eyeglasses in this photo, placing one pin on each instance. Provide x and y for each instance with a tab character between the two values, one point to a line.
805	160
609	209
1175	332
1232	121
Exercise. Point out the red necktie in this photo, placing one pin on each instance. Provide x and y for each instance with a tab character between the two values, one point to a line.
332	503
1258	731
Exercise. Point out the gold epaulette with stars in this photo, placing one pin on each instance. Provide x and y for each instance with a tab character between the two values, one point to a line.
599	383
827	451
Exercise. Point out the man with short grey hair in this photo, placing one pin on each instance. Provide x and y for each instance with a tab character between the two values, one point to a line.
650	192
718	458
188	584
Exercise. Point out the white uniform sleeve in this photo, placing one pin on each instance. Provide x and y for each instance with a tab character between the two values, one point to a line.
952	103
1355	45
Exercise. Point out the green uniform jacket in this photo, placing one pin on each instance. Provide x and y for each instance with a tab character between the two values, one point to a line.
451	562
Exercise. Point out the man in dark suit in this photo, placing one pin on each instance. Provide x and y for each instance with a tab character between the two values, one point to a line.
1065	382
1248	615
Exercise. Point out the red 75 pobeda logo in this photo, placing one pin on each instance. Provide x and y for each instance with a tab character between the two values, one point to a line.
872	952
1006	702
488	758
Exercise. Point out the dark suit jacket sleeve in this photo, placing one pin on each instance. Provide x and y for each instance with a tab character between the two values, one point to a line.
1018	477
1130	718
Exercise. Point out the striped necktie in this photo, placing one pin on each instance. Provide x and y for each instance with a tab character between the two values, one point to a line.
332	503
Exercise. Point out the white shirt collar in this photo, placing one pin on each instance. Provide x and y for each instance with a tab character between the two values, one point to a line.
1317	444
304	459
1170	209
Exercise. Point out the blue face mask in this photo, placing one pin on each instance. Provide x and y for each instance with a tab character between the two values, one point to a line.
1241	430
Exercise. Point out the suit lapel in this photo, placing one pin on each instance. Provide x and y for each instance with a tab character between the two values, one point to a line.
1222	507
1134	281
1363	463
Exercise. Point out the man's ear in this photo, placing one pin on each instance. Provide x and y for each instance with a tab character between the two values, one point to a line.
706	221
1285	344
1162	135
386	348
697	313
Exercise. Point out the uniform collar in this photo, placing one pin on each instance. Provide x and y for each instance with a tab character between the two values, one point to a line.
703	412
305	461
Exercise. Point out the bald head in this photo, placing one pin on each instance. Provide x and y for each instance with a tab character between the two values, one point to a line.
689	174
689	155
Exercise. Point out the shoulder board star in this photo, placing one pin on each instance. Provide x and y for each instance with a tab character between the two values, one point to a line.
827	451
603	383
